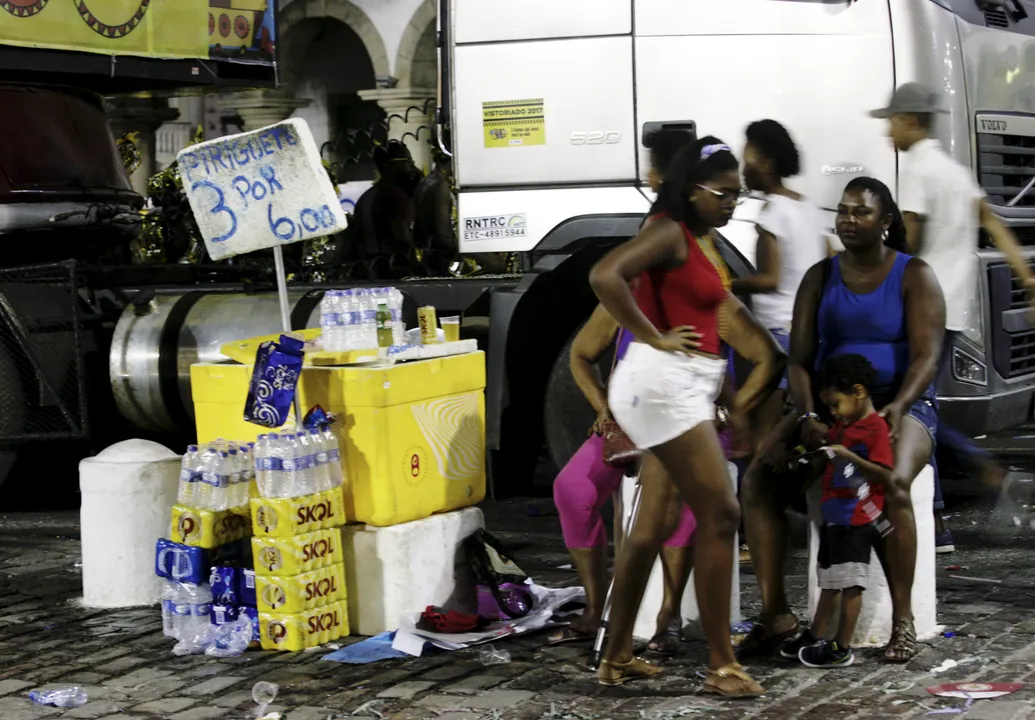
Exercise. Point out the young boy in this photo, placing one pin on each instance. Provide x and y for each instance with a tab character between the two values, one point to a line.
853	498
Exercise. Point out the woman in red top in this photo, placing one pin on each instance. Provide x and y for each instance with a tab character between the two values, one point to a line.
663	392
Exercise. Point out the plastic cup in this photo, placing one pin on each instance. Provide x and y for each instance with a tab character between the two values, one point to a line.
451	328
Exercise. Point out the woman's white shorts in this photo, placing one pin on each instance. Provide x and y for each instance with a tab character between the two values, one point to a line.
657	396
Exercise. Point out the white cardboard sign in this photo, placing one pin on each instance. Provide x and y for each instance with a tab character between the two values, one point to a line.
260	189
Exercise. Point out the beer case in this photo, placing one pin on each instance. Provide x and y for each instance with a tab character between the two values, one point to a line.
299	554
297	631
208	529
298	593
287	517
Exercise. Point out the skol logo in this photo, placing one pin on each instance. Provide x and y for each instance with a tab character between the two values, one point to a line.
323	588
317	549
323	622
274	596
277	631
319	512
271	559
189	527
266	518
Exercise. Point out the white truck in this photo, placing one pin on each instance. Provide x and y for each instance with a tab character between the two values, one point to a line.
546	105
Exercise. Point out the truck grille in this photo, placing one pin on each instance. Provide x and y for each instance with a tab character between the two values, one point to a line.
1013	352
996	18
1006	164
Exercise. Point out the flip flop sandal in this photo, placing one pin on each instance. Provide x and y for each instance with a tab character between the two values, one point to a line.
666	643
568	635
759	644
613	674
750	688
902	648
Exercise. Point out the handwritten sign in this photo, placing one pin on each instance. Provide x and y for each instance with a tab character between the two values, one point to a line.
260	189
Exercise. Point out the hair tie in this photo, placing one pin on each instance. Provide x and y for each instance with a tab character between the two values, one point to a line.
708	150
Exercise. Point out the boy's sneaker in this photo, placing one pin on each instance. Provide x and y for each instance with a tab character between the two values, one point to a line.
826	655
943	543
791	650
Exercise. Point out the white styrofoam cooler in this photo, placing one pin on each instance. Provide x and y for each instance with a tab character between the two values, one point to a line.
646	619
128	492
874	628
393	572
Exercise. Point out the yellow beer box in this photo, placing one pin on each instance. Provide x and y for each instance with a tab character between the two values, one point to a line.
208	529
298	593
297	631
299	554
287	517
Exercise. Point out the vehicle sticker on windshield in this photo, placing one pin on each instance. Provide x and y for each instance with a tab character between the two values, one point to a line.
495	227
514	123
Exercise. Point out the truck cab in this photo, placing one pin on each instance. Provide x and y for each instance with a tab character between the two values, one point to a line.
549	109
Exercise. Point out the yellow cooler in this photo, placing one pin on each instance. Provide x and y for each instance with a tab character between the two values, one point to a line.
412	434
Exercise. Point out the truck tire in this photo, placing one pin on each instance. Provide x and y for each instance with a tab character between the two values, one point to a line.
567	415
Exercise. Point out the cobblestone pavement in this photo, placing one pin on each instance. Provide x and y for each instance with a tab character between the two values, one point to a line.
126	667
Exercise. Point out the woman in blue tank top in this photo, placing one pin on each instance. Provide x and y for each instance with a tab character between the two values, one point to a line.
877	301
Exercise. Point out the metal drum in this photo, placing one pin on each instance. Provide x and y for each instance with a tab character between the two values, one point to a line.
156	342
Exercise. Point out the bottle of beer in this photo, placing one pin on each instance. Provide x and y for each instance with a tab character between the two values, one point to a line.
384	326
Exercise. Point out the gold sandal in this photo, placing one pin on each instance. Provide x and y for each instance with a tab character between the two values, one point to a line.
735	671
615	673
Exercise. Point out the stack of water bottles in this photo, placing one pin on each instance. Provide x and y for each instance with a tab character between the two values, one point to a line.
296	464
348	318
217	477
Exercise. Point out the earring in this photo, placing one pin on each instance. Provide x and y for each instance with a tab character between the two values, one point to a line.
884	234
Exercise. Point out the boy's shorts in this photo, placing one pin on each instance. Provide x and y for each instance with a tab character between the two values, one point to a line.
844	556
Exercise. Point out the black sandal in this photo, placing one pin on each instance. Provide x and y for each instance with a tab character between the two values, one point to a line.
666	643
902	647
758	643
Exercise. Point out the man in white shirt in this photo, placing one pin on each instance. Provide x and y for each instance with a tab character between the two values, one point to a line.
944	209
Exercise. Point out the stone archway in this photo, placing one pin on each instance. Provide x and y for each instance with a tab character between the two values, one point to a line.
299	10
417	49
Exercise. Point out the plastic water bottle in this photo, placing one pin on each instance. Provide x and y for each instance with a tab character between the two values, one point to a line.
334	467
262	464
168	600
368	311
181	602
275	481
247	474
395	306
306	464
321	465
200	609
189	476
351	319
330	319
233	474
70	696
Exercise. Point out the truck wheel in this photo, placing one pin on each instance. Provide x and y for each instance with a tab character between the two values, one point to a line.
567	415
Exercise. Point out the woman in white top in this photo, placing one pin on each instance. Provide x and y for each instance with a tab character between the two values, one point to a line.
791	239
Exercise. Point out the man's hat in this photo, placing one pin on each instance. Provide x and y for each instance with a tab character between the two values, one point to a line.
911	99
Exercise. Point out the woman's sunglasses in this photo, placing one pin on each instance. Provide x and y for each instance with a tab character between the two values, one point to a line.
735	196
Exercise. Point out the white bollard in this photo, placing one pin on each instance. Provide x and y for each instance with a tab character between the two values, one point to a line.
874	628
396	571
128	492
646	619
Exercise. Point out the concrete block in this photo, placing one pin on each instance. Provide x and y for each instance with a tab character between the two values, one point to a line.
260	189
874	628
128	492
392	572
646	619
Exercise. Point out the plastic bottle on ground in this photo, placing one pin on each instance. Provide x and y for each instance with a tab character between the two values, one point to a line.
63	697
168	600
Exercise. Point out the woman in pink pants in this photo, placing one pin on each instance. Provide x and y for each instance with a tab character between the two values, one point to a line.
586	483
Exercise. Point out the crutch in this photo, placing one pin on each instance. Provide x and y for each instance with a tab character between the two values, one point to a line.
598	644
